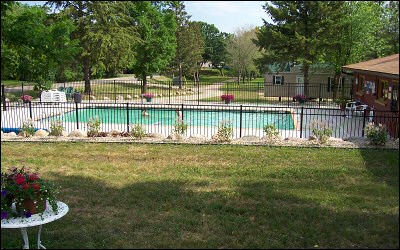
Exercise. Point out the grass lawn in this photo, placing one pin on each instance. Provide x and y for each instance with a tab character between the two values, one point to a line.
124	195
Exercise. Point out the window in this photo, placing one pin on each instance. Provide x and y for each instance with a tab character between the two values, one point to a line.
278	80
383	90
330	84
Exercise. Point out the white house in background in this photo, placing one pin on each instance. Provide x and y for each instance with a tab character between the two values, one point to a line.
289	81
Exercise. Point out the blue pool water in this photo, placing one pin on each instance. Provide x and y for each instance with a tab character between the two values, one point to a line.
207	118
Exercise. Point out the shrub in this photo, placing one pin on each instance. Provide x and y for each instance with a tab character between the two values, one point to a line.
180	127
56	128
27	129
225	131
321	130
377	135
300	98
93	126
138	131
270	131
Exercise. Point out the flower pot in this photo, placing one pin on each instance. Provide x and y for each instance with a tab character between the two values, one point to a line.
227	101
30	206
149	99
302	101
77	97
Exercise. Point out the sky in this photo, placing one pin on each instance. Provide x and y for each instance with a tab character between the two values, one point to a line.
227	16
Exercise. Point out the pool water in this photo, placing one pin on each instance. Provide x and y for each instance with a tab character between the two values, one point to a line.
207	118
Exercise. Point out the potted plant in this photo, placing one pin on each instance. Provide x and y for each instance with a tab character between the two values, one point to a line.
148	97
27	190
227	98
26	98
341	101
300	98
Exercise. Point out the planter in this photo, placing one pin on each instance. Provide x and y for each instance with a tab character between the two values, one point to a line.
77	97
227	101
148	99
302	101
29	205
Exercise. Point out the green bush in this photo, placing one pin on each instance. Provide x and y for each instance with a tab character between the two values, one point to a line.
180	127
138	131
56	128
27	129
270	131
377	135
321	130
225	131
93	126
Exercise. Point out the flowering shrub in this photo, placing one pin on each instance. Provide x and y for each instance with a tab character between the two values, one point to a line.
26	98
300	98
225	131
138	131
227	97
321	130
93	126
148	96
18	184
377	135
28	128
270	131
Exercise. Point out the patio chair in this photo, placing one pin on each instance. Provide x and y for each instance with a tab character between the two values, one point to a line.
69	92
350	107
61	88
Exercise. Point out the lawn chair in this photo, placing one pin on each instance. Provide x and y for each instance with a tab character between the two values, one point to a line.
61	88
69	92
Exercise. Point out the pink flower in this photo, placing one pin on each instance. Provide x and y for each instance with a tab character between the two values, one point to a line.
20	179
33	177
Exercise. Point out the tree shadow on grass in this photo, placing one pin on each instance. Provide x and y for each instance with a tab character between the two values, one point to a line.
179	214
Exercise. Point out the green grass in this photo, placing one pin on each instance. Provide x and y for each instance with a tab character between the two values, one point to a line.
214	196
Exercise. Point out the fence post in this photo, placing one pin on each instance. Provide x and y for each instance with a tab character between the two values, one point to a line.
30	109
115	94
240	122
320	94
77	116
182	110
169	92
363	127
258	92
288	91
3	97
198	93
127	116
301	122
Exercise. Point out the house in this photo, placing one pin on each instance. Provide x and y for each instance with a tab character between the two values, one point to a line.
376	83
289	81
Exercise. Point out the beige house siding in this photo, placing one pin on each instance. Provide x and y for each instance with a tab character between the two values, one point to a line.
317	88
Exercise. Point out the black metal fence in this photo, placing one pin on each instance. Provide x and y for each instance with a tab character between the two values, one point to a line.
202	119
251	93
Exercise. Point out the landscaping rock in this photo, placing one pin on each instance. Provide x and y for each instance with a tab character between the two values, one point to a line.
77	133
41	133
115	132
155	135
247	138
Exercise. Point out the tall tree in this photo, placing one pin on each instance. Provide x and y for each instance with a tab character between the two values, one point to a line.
190	44
215	45
296	33
37	42
103	34
355	35
156	25
242	52
391	27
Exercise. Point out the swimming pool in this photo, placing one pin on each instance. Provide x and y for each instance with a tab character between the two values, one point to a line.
195	117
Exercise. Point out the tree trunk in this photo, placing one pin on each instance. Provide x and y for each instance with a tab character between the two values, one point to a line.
144	83
306	79
86	66
180	76
336	85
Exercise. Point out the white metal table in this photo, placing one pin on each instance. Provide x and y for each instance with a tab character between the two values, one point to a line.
35	220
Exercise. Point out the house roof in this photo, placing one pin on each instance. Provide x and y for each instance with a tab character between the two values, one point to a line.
387	65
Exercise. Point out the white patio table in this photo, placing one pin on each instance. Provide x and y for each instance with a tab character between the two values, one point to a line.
35	220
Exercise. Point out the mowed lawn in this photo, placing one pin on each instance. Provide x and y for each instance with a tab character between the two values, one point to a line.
136	195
